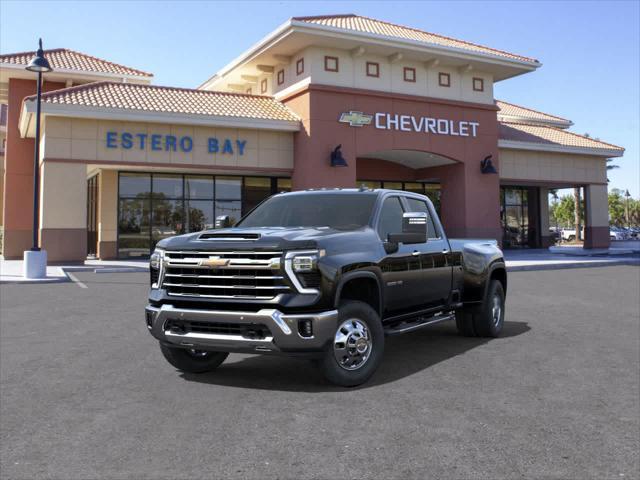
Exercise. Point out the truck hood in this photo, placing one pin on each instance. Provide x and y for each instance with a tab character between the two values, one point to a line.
266	238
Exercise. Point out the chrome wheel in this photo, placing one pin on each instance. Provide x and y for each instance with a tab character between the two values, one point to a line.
496	310
352	344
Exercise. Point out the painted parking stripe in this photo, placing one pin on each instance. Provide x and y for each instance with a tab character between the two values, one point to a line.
75	280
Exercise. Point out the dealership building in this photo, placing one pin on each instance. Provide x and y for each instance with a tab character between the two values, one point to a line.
330	101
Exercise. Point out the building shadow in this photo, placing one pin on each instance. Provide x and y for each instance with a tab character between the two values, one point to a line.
404	356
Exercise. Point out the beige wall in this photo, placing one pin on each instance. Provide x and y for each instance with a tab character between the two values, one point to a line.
80	139
598	201
108	206
63	195
352	73
552	167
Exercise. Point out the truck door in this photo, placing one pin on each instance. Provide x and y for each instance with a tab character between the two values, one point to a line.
401	270
436	272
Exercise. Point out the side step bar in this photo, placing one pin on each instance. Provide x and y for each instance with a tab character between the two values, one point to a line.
405	327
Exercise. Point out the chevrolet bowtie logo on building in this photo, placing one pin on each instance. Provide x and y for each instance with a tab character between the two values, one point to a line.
214	262
356	119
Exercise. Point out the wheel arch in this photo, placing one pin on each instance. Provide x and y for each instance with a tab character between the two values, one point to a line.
363	286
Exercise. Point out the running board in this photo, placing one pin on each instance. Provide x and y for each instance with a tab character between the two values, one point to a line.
409	327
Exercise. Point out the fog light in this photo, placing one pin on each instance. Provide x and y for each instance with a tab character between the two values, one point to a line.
305	328
149	318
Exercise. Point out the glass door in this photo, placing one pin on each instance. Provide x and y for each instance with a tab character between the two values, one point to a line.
92	216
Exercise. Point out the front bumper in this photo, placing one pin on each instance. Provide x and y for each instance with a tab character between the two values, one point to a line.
283	337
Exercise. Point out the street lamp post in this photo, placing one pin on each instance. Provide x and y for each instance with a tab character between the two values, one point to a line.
35	260
626	208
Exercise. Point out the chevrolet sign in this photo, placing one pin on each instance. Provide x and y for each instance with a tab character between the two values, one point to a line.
214	262
355	119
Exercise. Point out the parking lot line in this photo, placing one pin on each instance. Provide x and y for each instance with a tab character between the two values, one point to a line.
75	280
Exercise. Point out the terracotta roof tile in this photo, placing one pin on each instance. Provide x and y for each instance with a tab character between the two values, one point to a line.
513	110
379	27
517	132
152	98
65	59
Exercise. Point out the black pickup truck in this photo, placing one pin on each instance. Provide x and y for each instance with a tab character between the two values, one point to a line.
325	274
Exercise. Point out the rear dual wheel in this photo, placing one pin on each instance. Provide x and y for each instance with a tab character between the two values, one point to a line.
488	320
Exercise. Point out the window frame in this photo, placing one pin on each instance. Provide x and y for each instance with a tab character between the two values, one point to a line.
480	82
443	75
407	70
377	67
280	76
437	228
263	85
300	66
376	225
327	59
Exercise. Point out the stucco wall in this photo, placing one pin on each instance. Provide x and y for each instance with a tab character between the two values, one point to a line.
85	140
551	167
352	73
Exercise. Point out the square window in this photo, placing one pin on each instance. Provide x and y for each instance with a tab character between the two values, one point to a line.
280	77
478	84
263	86
331	64
444	79
300	66
373	69
409	74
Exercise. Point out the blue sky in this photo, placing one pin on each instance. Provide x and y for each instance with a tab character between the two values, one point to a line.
589	50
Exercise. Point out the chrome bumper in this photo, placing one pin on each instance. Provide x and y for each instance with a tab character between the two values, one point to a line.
284	335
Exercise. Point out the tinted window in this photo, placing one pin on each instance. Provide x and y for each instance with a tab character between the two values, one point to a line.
420	206
340	211
390	217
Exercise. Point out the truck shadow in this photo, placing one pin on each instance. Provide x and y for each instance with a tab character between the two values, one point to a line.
404	355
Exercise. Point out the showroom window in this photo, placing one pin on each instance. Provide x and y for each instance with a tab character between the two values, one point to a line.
155	206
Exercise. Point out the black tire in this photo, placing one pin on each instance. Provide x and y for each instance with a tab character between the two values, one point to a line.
488	320
193	361
354	319
571	238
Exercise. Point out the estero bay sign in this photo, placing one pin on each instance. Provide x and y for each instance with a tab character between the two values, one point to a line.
411	123
171	143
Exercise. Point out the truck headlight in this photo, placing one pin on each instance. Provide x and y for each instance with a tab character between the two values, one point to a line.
156	259
155	264
305	263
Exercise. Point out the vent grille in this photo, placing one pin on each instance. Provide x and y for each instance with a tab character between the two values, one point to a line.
253	331
248	275
229	236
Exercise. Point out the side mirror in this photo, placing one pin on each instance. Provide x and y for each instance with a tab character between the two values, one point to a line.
414	229
223	221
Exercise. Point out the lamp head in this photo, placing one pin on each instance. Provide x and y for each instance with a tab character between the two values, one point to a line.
39	62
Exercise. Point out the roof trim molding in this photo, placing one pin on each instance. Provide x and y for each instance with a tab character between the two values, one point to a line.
543	147
533	121
84	73
129	115
292	25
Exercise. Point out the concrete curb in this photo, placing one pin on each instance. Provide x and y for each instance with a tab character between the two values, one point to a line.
566	266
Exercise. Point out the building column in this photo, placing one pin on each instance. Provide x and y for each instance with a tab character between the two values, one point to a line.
546	240
596	216
469	200
107	214
18	173
63	211
312	150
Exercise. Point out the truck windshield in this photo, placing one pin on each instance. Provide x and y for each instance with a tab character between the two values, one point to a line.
342	211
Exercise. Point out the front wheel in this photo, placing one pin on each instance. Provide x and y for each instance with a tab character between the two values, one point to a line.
356	347
192	360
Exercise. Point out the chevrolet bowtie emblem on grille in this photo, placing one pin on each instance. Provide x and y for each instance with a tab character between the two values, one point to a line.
214	262
356	119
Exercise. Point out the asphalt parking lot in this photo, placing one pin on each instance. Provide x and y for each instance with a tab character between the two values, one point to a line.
85	393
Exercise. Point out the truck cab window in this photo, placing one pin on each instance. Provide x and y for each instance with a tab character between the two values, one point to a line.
390	217
416	205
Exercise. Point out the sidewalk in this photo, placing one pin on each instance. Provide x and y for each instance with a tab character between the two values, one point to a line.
11	270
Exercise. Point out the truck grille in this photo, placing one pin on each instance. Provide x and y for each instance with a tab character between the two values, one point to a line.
249	275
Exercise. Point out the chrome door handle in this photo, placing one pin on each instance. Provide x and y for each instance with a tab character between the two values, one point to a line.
445	251
415	253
